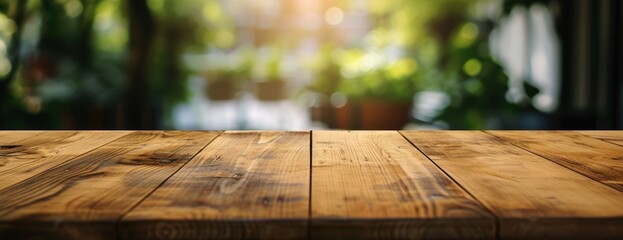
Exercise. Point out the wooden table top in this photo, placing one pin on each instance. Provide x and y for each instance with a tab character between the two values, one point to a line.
311	185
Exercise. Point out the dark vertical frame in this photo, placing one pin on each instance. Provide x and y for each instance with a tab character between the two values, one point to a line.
592	63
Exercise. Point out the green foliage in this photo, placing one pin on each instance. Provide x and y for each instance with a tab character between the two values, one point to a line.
441	48
185	26
273	66
110	28
4	7
326	70
268	66
79	53
445	50
396	81
235	75
234	67
369	72
478	89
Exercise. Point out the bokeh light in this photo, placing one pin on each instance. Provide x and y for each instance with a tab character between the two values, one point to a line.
294	64
334	15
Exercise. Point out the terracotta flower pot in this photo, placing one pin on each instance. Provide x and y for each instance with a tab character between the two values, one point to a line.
384	115
372	115
271	90
221	90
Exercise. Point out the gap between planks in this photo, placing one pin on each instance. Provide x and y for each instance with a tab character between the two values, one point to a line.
511	214
311	169
529	150
373	160
73	217
309	204
599	135
120	218
497	219
238	173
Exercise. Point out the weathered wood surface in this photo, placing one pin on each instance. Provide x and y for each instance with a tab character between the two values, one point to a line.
26	157
318	185
531	196
9	138
594	158
376	185
86	195
245	185
615	137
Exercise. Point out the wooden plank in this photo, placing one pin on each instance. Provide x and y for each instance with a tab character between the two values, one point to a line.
376	185
594	158
243	185
531	196
8	138
85	196
32	155
615	137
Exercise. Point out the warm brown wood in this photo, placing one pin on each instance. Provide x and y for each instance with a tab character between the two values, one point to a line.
327	185
243	185
615	137
594	158
376	185
8	138
85	196
531	196
30	156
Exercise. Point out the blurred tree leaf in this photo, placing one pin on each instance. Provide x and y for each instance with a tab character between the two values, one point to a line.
4	7
530	89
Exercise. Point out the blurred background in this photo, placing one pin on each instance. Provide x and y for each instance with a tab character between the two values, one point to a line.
301	64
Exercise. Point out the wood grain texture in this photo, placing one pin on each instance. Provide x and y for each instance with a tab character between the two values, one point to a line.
531	196
594	158
376	185
85	196
245	185
8	138
30	156
615	137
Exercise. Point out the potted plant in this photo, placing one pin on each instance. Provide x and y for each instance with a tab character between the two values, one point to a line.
379	98
221	84
270	85
326	68
227	78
